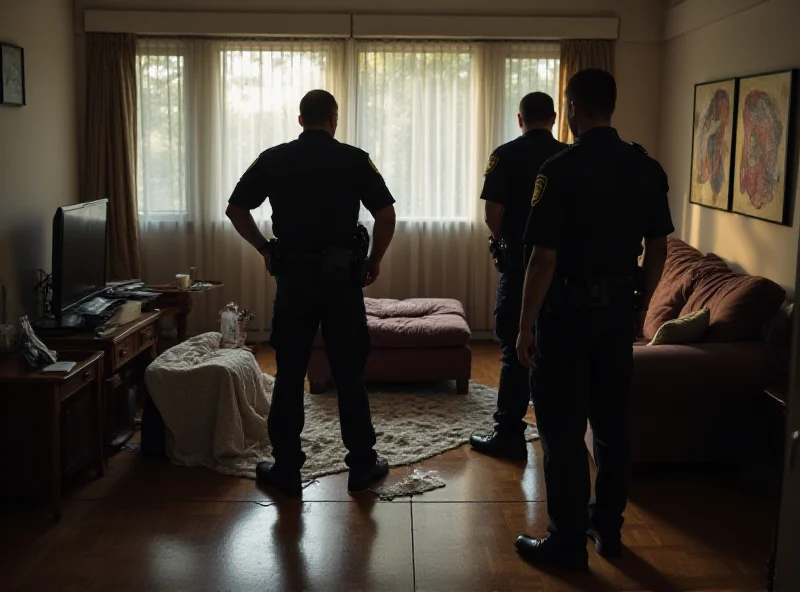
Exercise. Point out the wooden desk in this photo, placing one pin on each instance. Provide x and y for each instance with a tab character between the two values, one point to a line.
32	403
128	351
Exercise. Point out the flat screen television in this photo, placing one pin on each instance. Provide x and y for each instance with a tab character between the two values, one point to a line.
79	254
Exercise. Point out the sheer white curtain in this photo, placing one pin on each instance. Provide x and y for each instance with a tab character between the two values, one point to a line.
429	114
207	109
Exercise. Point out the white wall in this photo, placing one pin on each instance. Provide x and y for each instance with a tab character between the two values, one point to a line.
759	39
38	142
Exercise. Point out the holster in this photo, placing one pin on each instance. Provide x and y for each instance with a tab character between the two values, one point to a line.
361	246
274	257
499	252
330	264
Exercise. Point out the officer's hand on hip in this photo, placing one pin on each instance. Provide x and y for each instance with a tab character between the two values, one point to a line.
525	348
373	271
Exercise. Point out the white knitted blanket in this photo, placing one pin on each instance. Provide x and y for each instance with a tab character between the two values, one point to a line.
214	403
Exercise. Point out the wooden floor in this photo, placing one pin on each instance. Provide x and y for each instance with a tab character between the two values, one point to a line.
150	526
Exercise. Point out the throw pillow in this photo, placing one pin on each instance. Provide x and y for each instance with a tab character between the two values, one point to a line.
686	329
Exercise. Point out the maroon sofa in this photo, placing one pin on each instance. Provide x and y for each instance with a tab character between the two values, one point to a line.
689	403
413	340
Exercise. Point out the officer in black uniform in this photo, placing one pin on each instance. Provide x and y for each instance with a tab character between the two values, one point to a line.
315	186
594	205
508	185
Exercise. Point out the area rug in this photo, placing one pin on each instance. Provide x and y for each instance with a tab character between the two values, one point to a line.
412	423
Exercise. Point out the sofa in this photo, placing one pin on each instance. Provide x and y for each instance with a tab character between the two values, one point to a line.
689	401
413	340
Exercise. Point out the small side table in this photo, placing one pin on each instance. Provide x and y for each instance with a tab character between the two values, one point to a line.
174	301
24	389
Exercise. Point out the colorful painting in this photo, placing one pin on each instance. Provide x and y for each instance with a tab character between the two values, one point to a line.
762	146
714	107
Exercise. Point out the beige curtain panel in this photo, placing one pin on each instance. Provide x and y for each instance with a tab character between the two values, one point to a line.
111	144
577	55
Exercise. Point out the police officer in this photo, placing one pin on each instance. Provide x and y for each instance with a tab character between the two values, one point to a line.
508	185
594	205
315	186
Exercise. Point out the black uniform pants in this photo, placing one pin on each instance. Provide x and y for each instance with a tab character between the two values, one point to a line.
304	301
513	394
583	364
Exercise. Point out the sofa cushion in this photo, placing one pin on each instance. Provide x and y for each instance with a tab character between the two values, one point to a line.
673	289
414	323
686	329
740	305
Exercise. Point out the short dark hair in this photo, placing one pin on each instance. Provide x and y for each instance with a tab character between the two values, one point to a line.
536	107
595	91
317	107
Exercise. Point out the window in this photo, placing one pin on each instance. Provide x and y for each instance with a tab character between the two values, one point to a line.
415	118
428	113
161	130
261	85
528	68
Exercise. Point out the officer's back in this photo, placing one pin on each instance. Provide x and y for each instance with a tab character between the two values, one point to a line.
511	172
606	188
315	185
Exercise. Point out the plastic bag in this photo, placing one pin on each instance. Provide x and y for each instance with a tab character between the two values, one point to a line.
33	349
229	326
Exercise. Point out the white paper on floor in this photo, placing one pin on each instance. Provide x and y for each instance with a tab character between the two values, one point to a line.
414	484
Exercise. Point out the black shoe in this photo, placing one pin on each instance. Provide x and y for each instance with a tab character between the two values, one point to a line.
360	479
513	447
549	552
288	483
608	546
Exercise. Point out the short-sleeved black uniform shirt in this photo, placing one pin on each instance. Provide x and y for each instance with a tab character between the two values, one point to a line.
315	185
595	202
510	176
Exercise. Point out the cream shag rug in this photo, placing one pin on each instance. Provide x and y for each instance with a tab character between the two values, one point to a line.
412	423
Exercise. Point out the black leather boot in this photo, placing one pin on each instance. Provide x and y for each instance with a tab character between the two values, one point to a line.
360	479
288	483
607	545
497	444
548	551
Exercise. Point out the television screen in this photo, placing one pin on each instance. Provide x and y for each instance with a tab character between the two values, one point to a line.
79	253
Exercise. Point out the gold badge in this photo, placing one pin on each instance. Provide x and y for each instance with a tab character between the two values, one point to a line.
492	163
538	189
372	164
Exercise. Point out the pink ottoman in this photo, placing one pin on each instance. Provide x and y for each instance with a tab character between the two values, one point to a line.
414	340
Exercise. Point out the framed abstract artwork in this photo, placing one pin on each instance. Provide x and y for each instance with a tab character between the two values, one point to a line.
12	67
712	143
763	136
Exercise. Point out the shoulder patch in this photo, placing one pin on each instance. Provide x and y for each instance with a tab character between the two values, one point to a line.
491	164
639	147
252	164
372	164
538	189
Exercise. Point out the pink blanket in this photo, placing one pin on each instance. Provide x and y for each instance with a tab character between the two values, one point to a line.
415	322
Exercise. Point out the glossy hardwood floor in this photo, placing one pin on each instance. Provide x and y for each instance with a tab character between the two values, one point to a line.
151	526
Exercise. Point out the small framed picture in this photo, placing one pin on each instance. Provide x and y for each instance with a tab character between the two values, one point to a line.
712	143
12	66
763	145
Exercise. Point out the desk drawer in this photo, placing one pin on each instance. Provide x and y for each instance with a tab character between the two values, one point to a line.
147	337
126	350
80	380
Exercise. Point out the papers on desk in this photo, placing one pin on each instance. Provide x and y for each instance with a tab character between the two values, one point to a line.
60	367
